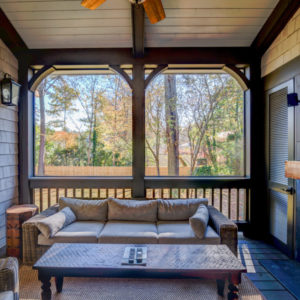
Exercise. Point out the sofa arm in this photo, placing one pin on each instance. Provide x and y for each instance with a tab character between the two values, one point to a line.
30	234
9	276
226	229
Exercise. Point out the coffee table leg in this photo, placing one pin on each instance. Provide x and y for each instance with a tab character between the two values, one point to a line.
46	286
59	281
234	282
220	285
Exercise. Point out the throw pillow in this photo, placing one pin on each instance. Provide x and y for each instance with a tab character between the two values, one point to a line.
132	210
86	210
51	225
199	221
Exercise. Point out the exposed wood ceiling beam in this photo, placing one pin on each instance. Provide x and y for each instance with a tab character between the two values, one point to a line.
138	29
158	56
280	16
10	36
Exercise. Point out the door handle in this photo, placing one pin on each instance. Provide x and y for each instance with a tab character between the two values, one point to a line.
289	190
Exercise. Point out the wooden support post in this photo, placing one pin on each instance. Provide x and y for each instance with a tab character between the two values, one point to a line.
138	133
138	28
258	208
25	134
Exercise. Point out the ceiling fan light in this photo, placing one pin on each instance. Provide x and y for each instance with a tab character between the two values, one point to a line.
136	1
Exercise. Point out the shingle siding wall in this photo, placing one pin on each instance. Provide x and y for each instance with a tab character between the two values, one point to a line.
285	47
8	144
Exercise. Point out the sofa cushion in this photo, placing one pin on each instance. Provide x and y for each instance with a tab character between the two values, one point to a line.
132	210
180	232
79	232
199	221
129	232
86	210
51	225
8	295
179	209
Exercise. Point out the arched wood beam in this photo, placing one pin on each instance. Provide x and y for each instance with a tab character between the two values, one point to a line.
121	72
239	76
155	73
39	76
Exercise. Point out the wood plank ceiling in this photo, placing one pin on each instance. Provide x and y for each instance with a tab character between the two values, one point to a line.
189	23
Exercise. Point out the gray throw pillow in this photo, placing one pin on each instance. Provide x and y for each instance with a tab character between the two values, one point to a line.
86	210
132	210
199	221
51	225
178	209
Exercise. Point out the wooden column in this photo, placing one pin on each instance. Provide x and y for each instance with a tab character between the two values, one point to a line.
258	207
26	127
138	133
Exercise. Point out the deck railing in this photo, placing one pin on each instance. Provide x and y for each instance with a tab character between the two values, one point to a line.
233	200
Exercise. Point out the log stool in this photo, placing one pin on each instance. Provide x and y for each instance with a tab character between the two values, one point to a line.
16	215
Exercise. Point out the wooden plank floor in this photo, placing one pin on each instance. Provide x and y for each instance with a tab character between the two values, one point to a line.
250	253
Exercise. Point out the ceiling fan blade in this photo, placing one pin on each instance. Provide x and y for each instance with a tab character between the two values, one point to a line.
154	10
91	4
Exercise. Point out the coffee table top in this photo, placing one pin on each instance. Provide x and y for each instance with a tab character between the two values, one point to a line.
160	257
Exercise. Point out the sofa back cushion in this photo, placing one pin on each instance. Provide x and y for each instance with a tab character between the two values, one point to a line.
86	210
132	210
178	209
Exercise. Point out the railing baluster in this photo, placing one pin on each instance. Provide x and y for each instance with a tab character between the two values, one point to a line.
56	194
213	197
229	203
204	193
237	204
247	205
41	199
221	200
49	199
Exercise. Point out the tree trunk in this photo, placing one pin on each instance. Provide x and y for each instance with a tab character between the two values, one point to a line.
41	161
172	135
238	166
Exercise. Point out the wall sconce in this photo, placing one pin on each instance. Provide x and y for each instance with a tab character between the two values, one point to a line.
292	99
10	91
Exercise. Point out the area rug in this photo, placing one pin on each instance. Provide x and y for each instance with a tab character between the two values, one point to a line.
287	272
130	289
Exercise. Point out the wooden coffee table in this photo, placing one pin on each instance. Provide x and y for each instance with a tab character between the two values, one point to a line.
164	261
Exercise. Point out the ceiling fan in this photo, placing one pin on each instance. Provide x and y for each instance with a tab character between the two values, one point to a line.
153	8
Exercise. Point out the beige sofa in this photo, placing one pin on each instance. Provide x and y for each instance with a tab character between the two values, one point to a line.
128	221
